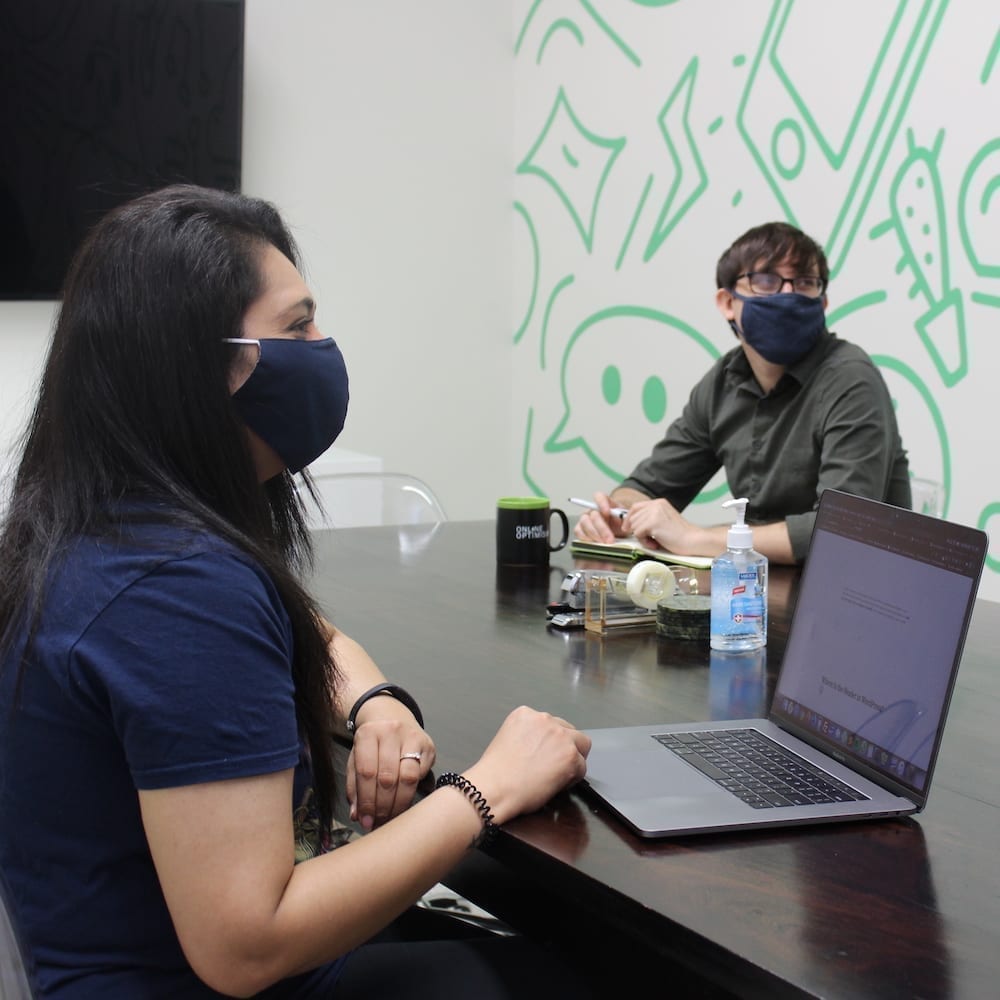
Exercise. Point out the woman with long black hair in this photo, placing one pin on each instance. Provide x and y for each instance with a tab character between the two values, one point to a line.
170	690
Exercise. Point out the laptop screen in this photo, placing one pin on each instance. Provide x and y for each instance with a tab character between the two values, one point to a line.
884	603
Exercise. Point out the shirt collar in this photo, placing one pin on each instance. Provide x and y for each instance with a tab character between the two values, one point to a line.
738	368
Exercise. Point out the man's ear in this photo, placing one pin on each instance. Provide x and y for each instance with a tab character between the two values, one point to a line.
724	303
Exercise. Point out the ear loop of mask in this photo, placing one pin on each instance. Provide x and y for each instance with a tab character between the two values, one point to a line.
242	369
732	322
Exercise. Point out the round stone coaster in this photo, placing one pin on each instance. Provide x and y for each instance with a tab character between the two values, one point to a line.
684	616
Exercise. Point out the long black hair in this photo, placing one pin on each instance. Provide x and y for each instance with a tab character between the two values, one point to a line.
134	401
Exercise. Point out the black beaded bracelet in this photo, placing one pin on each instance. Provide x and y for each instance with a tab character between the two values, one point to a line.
475	796
404	697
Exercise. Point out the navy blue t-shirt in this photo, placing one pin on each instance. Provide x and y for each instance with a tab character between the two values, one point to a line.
160	661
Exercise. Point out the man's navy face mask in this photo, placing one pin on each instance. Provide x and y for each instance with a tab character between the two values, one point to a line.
296	397
781	328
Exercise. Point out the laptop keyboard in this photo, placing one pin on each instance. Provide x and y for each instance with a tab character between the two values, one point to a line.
756	769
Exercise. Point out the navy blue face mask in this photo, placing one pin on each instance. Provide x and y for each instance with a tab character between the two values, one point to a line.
296	397
781	328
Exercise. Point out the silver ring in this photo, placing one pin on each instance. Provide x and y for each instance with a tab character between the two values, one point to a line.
414	755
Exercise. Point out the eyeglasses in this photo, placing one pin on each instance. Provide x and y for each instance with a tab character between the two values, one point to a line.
769	283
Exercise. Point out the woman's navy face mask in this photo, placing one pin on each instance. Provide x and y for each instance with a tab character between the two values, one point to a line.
296	397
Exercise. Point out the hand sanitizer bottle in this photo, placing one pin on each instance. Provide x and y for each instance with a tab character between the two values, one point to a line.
739	589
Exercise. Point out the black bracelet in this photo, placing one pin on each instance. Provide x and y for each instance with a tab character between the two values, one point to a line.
475	796
395	691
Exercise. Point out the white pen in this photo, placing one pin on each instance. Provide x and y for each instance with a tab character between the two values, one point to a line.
590	505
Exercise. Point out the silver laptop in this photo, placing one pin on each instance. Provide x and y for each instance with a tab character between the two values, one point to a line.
858	712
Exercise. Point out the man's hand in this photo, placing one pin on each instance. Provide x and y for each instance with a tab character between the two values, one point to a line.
600	525
658	525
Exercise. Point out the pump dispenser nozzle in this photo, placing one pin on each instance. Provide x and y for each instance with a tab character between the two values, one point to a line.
740	536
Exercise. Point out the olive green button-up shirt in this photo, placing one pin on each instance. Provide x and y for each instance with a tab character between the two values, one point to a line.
828	423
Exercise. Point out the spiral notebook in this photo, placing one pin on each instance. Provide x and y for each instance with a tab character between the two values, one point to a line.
858	712
630	550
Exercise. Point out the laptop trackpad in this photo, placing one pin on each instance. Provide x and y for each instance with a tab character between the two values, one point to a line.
644	774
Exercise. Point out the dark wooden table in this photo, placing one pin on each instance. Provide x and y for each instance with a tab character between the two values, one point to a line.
901	908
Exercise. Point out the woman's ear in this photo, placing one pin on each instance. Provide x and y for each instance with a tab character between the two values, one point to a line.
245	358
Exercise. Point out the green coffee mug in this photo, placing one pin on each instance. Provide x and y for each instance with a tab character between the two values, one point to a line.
523	531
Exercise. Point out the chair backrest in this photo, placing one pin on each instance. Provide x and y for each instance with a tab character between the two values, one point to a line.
928	496
14	983
359	499
7	470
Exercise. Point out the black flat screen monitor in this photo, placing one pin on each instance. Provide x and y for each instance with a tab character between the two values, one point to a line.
101	100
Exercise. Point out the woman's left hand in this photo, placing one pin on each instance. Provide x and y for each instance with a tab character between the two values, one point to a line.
391	754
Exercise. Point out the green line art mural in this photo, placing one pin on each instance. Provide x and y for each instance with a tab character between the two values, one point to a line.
535	264
561	25
665	130
800	140
986	300
526	452
991	59
917	217
989	521
979	211
913	403
560	285
631	393
565	24
635	220
575	162
835	315
916	409
690	179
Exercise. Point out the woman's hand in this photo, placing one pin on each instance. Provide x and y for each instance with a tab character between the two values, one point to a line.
382	773
247	916
533	756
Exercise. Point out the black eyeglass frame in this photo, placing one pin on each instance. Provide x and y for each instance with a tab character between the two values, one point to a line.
750	275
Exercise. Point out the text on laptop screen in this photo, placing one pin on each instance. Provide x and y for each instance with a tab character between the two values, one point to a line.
868	666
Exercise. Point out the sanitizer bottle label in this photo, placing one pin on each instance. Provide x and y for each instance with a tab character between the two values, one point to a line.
746	611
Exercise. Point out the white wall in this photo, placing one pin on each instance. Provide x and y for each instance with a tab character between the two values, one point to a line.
24	329
381	129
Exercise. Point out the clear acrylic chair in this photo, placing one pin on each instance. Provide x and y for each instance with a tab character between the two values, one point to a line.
13	976
928	496
362	499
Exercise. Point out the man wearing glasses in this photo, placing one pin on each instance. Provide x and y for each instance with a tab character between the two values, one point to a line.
791	411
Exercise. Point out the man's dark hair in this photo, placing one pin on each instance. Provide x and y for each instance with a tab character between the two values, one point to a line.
764	247
135	404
